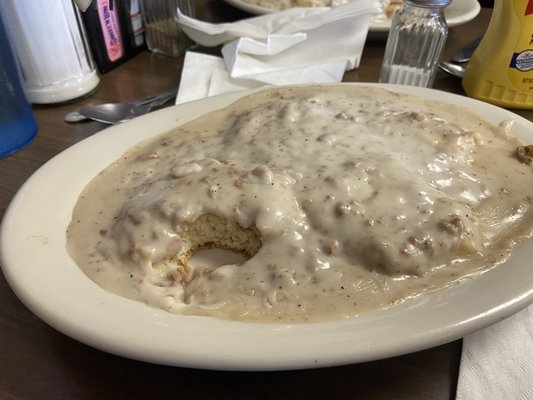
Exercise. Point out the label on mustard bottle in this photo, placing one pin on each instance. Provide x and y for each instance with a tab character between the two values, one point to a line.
522	59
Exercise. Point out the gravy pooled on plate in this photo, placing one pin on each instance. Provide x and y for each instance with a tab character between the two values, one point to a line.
342	198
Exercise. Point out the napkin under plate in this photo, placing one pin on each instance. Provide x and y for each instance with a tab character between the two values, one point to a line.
497	362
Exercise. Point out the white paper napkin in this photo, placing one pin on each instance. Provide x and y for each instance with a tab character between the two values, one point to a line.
497	362
205	75
302	45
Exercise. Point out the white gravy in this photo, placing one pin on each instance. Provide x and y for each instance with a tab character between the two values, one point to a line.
363	198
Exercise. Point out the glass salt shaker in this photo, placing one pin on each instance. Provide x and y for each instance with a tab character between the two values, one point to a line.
416	39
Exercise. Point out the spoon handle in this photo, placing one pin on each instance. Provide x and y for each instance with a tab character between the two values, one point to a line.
157	99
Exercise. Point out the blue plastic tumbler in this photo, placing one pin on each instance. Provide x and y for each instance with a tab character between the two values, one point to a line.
17	124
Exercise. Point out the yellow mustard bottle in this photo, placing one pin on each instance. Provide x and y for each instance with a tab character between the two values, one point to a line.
501	68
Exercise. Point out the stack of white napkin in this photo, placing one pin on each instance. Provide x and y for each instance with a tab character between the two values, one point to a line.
299	45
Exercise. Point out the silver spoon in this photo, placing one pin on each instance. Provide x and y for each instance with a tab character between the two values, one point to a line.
462	56
112	113
453	69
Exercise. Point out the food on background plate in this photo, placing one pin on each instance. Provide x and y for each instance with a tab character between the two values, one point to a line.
389	6
341	199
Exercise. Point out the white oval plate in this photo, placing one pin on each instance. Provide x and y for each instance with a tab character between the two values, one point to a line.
38	268
457	13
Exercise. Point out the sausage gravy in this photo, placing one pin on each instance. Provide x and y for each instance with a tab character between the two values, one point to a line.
361	198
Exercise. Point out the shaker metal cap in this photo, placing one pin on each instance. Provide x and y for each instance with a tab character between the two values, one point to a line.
429	3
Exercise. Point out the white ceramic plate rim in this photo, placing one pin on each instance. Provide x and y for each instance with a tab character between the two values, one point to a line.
40	271
457	13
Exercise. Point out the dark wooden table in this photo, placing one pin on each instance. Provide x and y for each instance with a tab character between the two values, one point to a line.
37	362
